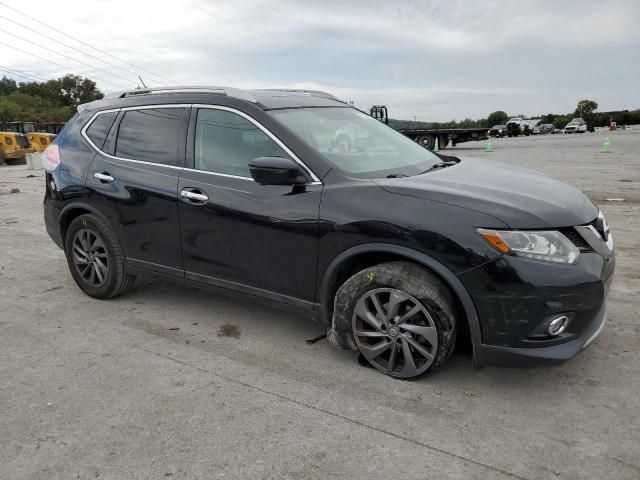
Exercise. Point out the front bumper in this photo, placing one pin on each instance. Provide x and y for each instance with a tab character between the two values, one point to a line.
514	297
486	355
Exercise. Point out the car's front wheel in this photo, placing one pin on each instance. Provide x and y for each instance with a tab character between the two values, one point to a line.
95	258
400	317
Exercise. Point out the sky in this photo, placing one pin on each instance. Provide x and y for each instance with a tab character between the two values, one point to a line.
432	60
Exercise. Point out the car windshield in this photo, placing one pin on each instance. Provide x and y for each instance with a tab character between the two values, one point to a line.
29	128
356	143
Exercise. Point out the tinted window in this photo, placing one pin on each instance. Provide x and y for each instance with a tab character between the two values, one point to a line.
152	135
226	142
100	127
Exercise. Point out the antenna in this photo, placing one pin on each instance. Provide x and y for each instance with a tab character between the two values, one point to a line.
142	81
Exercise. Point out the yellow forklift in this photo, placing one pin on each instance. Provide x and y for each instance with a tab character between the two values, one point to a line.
38	139
14	145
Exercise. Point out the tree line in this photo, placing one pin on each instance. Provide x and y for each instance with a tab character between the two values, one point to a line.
585	109
55	100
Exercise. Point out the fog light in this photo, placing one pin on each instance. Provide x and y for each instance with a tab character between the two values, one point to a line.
557	325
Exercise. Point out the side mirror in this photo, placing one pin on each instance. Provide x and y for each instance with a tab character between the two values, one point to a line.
276	171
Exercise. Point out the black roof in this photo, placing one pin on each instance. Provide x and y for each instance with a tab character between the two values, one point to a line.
265	99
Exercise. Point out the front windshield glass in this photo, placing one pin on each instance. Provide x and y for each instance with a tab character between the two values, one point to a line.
29	128
356	143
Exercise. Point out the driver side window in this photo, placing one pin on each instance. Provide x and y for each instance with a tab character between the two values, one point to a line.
226	142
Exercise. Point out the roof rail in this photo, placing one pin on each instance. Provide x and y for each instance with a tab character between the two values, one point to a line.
229	92
317	93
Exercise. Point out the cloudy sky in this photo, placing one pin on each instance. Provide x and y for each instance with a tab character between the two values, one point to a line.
437	60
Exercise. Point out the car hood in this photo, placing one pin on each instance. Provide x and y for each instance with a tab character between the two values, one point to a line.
518	197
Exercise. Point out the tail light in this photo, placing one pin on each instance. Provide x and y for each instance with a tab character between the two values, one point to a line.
51	158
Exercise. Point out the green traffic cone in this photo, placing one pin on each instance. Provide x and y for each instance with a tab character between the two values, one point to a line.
606	146
489	146
436	148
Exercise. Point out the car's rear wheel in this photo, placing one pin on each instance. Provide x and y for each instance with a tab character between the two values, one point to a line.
95	258
399	316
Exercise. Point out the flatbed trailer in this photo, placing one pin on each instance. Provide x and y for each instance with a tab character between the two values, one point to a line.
427	136
445	136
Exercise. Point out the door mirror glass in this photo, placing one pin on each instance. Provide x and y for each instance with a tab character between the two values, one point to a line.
276	171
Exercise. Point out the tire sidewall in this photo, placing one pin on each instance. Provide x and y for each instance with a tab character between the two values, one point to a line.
427	141
407	278
114	275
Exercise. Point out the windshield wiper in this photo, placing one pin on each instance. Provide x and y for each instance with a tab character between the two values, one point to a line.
437	166
396	175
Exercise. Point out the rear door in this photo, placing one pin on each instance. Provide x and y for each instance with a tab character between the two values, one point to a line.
260	239
133	181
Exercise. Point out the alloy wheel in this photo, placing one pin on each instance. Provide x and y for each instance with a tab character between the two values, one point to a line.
395	332
90	257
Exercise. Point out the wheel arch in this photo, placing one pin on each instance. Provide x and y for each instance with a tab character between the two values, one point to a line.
74	210
359	257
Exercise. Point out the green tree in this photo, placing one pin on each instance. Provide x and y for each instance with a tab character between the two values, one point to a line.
7	86
497	118
70	90
8	109
585	109
52	101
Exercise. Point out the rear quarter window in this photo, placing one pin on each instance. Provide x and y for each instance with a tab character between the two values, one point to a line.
99	129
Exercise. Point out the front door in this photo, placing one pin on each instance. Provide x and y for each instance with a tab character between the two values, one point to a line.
239	234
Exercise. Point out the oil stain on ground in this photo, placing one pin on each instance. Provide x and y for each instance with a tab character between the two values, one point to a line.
228	330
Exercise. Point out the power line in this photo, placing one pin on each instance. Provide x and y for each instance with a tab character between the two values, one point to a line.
19	74
68	46
54	63
86	44
65	56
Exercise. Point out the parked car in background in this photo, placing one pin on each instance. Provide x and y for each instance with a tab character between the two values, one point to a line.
546	128
577	125
536	130
498	131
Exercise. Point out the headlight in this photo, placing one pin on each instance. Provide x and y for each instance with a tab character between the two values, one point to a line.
549	246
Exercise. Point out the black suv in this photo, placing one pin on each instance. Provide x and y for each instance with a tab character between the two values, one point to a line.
396	248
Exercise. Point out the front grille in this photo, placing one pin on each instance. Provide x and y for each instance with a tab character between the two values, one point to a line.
576	239
22	140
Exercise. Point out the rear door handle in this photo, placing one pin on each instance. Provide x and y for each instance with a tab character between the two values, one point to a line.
103	177
194	196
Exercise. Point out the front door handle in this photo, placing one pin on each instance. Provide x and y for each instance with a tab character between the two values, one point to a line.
103	177
194	196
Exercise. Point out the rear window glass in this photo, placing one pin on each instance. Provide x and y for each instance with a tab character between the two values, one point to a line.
151	135
100	127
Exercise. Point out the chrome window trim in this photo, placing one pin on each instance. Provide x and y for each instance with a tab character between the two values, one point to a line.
280	143
83	132
220	174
